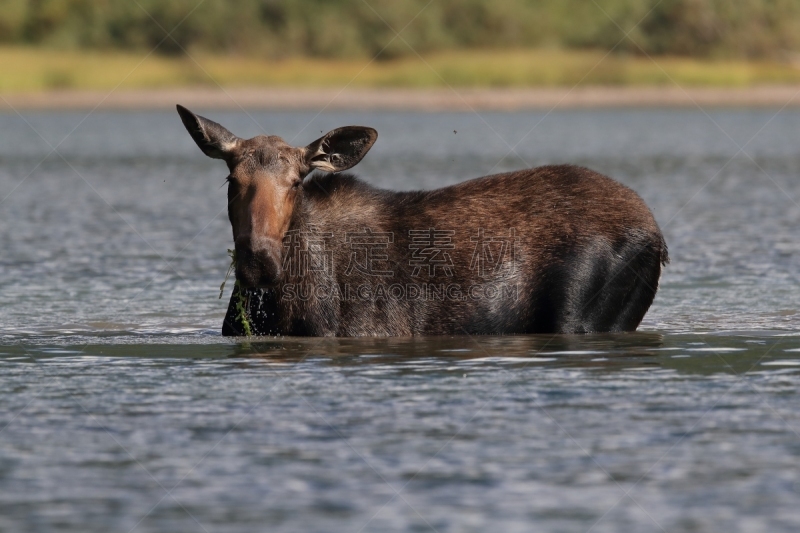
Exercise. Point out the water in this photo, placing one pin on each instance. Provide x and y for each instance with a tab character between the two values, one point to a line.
122	408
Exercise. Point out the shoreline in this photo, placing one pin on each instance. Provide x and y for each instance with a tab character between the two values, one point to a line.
394	99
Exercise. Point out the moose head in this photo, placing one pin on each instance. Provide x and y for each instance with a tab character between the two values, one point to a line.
265	185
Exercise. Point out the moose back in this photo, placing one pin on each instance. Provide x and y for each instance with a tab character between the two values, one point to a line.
555	249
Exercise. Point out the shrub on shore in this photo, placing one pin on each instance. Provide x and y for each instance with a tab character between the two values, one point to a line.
366	28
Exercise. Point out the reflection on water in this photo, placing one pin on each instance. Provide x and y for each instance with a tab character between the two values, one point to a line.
122	408
322	434
685	353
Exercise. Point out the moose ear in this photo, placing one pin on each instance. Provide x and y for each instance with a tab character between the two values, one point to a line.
214	140
341	148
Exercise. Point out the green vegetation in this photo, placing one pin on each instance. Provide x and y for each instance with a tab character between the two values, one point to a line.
241	309
102	44
239	293
26	70
366	28
231	268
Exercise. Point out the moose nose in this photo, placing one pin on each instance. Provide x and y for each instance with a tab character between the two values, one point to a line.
257	262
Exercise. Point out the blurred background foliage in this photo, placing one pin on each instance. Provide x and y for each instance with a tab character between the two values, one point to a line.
340	29
102	44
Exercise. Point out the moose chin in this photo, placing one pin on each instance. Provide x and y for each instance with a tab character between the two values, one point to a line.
554	249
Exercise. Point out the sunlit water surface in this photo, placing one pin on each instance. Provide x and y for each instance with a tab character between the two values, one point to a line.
122	409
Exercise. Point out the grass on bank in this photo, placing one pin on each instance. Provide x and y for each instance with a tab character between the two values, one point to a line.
32	69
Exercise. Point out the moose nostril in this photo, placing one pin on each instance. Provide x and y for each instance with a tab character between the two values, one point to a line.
245	258
257	266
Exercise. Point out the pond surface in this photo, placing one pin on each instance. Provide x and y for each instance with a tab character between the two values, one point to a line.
123	409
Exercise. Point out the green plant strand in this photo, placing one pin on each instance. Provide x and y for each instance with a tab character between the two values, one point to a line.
242	310
241	300
232	254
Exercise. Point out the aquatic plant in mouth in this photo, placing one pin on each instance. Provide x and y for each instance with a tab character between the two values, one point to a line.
241	300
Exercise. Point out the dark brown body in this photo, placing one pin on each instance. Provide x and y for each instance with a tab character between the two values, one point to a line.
556	249
582	254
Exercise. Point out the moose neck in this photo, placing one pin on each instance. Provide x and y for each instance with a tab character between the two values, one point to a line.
328	206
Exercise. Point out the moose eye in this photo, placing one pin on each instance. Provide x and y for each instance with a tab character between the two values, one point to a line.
297	184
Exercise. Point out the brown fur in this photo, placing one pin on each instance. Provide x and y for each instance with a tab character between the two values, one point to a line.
583	253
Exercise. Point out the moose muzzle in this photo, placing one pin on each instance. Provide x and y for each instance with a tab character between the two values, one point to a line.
258	262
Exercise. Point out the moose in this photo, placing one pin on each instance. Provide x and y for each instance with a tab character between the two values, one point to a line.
553	249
